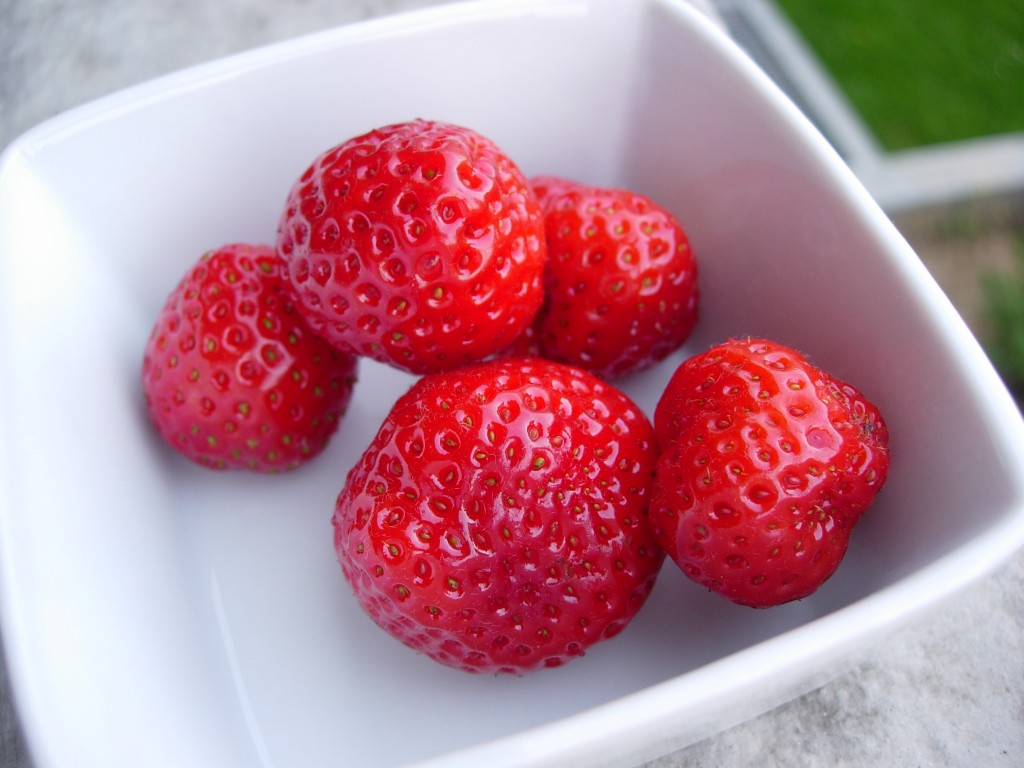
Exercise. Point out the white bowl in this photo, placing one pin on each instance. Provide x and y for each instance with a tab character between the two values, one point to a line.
156	613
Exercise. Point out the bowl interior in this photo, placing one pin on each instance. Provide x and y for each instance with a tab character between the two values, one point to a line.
136	571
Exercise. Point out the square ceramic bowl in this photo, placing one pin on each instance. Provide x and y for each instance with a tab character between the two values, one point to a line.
156	613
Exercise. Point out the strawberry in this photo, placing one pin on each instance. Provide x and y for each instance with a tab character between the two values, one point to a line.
767	463
621	281
418	244
498	521
232	376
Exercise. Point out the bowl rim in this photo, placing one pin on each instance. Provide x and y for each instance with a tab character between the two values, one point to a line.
575	737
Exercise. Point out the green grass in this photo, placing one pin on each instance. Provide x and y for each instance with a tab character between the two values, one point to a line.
922	72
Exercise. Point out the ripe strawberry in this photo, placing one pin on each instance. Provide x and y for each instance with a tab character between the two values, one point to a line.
621	282
419	244
232	377
498	521
767	464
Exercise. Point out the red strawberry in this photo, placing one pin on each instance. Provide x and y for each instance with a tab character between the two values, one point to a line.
621	283
419	244
233	378
767	464
498	521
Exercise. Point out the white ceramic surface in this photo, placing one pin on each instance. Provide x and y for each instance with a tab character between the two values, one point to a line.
156	613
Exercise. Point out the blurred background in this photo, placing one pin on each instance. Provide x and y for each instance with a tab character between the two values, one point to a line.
924	100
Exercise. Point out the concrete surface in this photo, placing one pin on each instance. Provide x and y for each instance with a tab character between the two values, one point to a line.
947	691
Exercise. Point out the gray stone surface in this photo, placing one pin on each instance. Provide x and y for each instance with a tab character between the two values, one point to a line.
946	691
